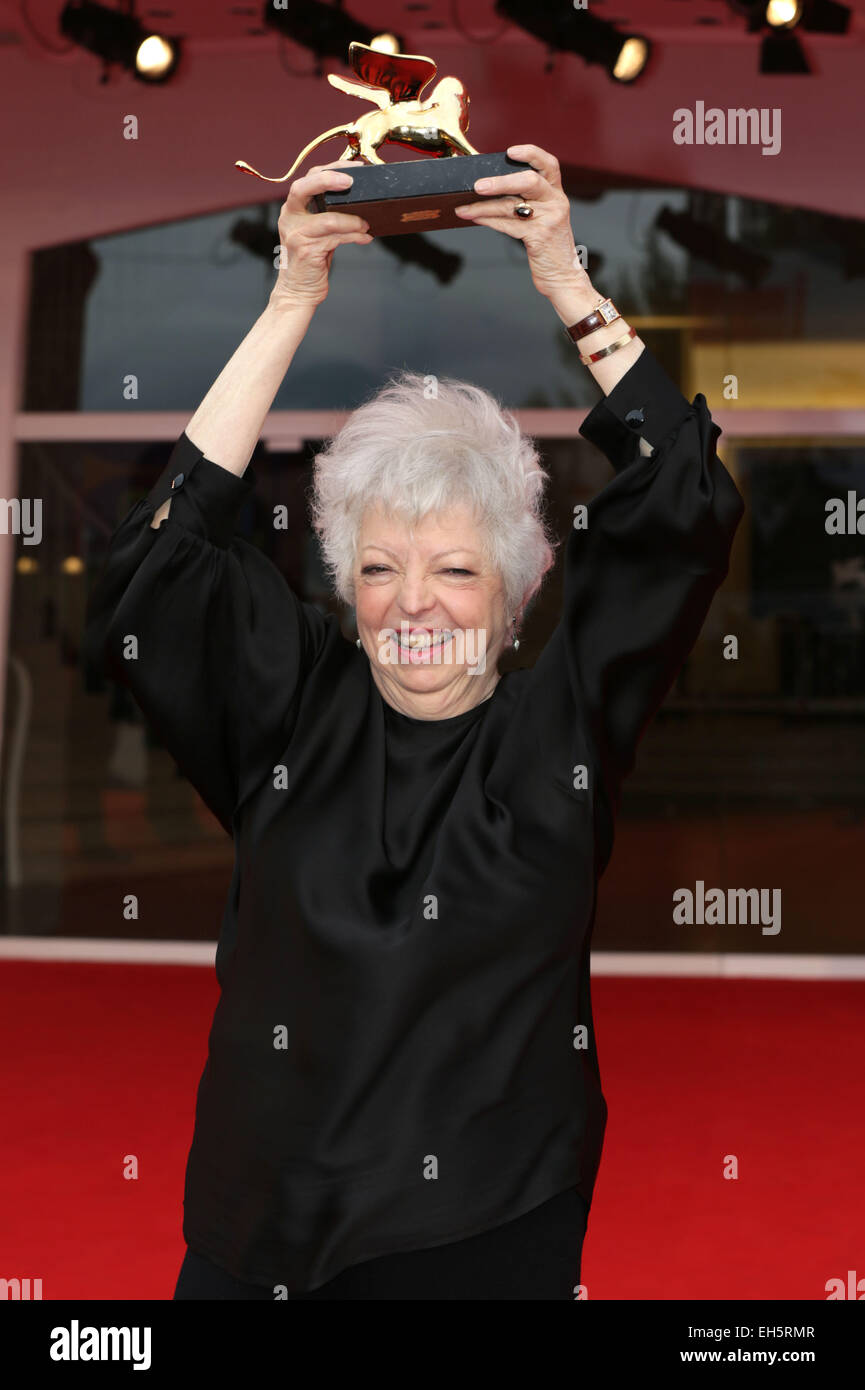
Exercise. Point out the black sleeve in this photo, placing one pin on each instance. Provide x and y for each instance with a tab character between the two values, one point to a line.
203	629
639	579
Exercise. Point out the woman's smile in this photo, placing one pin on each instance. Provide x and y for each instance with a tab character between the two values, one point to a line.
424	644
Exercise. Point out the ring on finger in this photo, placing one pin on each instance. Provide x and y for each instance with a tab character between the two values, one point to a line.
524	210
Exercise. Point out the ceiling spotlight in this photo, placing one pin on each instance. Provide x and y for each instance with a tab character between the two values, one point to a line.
325	29
155	59
120	38
783	14
815	16
631	58
624	56
780	49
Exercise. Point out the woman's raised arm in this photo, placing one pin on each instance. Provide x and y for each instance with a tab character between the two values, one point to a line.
227	424
194	620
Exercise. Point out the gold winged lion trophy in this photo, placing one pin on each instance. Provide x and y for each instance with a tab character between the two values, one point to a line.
412	194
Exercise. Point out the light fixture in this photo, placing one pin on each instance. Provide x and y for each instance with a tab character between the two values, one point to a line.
781	51
631	58
325	29
817	16
155	58
561	27
120	38
783	14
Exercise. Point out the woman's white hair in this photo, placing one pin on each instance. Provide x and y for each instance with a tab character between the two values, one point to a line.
421	444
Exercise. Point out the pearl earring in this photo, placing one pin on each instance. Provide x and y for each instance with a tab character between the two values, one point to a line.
515	639
358	643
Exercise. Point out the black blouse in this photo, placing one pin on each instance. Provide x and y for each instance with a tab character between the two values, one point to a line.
398	1058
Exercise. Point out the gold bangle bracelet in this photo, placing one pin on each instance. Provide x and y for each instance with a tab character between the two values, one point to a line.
613	347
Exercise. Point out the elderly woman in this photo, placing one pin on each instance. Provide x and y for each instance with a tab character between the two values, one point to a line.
401	1097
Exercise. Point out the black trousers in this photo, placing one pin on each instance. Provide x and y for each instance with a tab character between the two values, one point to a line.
537	1256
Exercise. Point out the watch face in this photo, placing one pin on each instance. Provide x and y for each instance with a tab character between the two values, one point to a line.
607	311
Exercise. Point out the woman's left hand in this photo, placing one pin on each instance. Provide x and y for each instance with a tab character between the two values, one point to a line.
547	234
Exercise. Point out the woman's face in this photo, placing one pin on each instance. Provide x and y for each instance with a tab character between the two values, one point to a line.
430	611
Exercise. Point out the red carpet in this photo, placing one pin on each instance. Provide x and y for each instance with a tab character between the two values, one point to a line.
102	1062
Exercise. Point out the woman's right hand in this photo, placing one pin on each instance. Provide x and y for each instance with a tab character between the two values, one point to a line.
308	239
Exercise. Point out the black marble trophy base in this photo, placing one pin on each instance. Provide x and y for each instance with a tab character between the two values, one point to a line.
415	195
